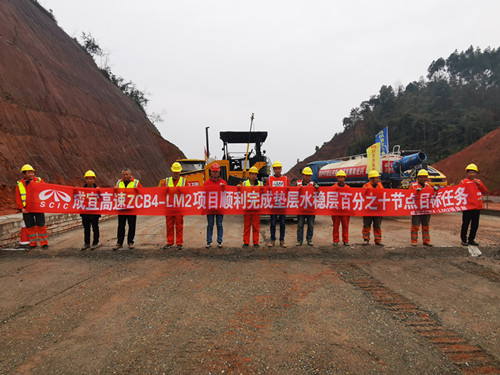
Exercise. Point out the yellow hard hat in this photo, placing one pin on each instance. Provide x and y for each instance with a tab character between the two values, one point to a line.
176	167
373	174
89	173
253	170
277	164
423	172
307	171
27	167
341	173
472	167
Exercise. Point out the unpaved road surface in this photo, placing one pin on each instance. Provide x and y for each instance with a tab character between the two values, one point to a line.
294	310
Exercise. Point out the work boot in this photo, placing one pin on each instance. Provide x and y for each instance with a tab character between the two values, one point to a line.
463	243
379	244
46	246
167	246
414	244
335	244
428	244
256	245
366	242
346	244
299	243
245	245
118	246
219	244
208	245
473	243
271	244
310	243
94	246
85	247
130	245
179	247
282	244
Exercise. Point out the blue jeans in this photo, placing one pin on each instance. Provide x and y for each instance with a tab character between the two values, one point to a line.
210	227
301	219
282	219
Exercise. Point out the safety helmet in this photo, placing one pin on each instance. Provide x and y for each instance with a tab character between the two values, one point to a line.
89	173
422	172
341	173
215	167
472	167
277	164
307	171
373	174
27	167
253	170
176	167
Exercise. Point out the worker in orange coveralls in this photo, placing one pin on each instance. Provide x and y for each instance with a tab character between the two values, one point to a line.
341	219
416	220
35	221
251	219
472	216
174	223
374	183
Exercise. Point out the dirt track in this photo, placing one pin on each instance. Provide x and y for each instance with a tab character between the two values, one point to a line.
299	310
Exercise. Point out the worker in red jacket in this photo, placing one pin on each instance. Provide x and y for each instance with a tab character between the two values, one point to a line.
215	180
341	219
374	183
417	220
279	181
471	217
126	182
251	219
34	221
174	223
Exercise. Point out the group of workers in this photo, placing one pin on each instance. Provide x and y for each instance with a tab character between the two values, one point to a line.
37	231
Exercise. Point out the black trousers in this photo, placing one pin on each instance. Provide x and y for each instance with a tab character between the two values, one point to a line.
34	219
122	220
90	221
469	217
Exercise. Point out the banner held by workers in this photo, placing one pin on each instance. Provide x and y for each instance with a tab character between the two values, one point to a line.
237	200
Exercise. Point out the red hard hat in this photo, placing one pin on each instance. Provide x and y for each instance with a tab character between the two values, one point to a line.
215	167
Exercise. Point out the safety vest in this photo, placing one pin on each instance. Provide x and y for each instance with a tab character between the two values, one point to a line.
247	183
131	184
169	181
415	185
22	189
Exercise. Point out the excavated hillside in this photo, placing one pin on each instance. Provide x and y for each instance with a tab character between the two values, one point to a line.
484	153
60	114
335	148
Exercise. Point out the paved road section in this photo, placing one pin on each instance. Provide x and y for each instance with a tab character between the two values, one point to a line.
294	310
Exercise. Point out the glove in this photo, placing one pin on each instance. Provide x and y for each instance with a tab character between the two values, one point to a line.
315	184
418	189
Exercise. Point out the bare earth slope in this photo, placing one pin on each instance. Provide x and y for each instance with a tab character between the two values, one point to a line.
485	153
60	114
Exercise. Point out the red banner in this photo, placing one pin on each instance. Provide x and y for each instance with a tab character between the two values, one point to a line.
237	200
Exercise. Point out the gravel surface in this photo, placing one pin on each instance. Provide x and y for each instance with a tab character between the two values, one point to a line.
294	310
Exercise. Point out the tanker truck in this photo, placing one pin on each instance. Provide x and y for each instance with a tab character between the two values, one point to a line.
398	169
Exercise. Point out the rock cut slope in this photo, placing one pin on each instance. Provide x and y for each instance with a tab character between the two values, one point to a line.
60	114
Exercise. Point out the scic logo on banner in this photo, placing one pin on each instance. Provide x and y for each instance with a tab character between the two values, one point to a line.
57	196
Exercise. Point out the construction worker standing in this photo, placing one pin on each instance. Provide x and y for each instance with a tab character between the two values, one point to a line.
341	219
374	183
215	180
472	216
251	219
279	181
302	219
127	181
35	221
416	220
90	220
175	223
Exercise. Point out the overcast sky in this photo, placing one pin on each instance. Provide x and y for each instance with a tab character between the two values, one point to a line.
300	66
